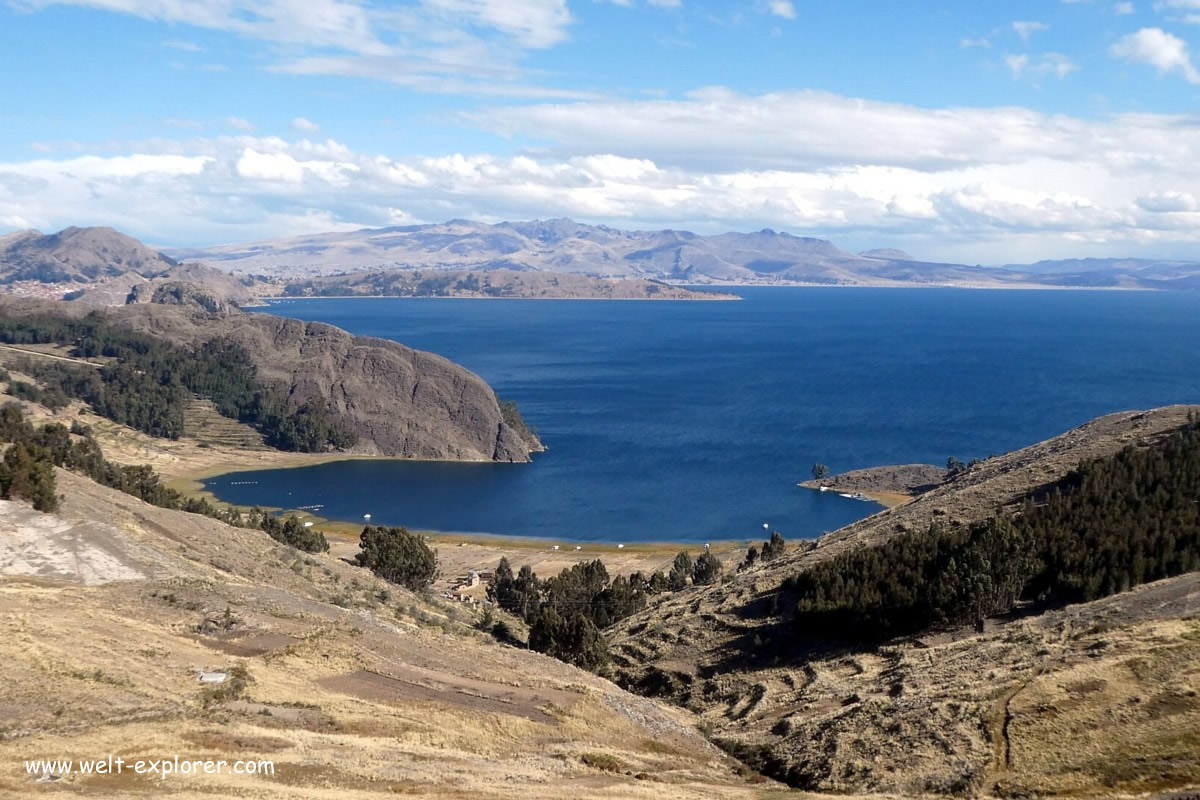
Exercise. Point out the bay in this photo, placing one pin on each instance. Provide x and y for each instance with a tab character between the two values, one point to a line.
693	421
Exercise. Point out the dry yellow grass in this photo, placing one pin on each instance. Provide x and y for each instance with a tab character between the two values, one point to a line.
355	687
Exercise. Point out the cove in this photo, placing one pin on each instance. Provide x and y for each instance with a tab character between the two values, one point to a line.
685	421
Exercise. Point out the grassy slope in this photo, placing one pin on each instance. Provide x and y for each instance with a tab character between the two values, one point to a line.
352	690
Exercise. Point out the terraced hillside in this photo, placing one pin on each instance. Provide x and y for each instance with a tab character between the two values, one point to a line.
1001	712
202	422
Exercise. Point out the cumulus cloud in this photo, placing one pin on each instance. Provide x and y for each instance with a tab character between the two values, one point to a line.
971	184
304	125
237	123
1161	50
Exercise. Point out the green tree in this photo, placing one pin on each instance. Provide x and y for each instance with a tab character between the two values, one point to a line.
658	583
774	547
398	555
706	570
27	472
681	570
294	533
574	638
820	472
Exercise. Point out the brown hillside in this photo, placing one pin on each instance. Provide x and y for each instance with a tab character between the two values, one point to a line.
929	716
355	688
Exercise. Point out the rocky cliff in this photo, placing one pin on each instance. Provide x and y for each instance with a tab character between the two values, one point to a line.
399	401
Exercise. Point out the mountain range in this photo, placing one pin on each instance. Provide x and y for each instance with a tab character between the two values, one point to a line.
762	257
115	267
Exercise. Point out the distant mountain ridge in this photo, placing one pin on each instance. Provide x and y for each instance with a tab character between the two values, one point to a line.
111	268
82	255
761	257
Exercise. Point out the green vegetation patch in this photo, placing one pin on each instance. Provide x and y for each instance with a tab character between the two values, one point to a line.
148	382
27	471
1108	526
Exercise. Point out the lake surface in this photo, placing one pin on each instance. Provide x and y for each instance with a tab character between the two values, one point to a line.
690	421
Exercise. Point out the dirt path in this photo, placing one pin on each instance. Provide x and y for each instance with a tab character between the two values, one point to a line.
25	352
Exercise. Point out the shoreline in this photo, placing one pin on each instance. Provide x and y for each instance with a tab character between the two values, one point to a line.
191	484
715	298
971	286
890	485
885	499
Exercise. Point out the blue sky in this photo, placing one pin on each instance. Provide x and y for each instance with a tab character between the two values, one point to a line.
986	132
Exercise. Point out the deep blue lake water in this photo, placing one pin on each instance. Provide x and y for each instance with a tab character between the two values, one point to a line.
694	421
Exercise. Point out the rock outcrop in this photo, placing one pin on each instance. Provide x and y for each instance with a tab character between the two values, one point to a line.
400	401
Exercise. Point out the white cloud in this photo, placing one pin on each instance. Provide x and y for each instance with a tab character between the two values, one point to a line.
1122	9
1169	202
269	166
319	23
782	8
1016	63
237	123
533	23
430	45
305	125
1026	28
717	128
658	3
974	184
1161	50
1056	64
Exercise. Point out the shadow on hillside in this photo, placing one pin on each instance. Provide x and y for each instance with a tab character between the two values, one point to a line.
776	644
